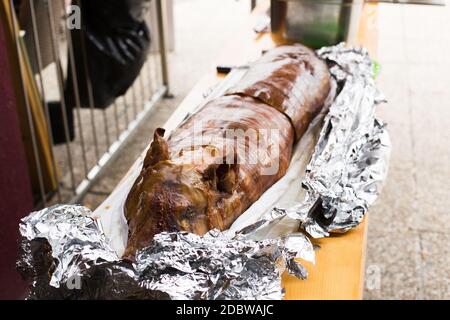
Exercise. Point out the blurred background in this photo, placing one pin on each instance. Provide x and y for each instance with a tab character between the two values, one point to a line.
100	134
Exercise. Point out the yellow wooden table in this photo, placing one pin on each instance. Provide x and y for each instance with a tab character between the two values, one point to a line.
339	269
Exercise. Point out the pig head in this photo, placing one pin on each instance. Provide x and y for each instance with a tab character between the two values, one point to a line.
173	196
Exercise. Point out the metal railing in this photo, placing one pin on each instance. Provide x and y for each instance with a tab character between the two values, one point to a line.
100	133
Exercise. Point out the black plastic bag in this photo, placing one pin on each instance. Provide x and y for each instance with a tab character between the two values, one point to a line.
110	48
109	51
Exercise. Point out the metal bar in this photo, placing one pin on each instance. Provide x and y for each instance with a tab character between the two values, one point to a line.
115	148
143	91
28	109
90	95
125	106
106	126
153	61
149	75
134	99
116	117
151	64
37	51
75	89
158	69
154	75
59	74
162	45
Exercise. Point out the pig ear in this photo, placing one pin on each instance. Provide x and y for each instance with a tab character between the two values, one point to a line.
158	151
223	176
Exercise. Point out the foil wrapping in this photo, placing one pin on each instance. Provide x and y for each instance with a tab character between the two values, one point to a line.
187	266
71	246
351	158
66	255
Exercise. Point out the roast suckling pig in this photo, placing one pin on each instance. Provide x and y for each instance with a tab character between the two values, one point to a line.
225	156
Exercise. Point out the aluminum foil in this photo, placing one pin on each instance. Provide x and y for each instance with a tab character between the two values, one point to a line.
66	256
65	253
73	236
187	266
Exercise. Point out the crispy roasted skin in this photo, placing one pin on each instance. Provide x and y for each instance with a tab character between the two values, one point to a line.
226	155
292	80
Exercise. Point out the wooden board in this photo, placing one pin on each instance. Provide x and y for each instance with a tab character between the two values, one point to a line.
338	272
339	269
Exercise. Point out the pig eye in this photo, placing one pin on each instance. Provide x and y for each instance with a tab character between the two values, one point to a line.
188	213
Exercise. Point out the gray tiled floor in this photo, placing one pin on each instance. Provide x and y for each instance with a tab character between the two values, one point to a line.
409	224
408	242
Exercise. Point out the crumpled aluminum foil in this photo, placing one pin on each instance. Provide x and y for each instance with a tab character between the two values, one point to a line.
66	255
73	237
216	267
351	158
